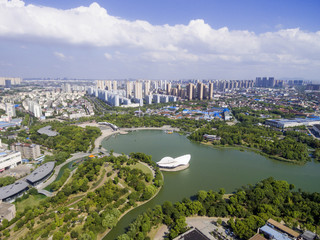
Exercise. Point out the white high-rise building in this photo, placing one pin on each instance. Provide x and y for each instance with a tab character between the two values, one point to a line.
138	90
35	108
10	110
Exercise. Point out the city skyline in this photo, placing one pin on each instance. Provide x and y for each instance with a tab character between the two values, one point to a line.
121	39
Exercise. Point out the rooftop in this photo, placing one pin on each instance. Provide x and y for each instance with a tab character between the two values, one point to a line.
194	234
257	236
12	189
47	131
283	228
40	172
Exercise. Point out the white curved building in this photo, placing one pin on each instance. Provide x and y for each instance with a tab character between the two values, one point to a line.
169	162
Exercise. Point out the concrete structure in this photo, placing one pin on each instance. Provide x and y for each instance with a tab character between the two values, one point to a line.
7	211
9	159
12	191
40	174
29	151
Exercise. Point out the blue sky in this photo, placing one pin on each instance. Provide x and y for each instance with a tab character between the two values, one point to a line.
160	39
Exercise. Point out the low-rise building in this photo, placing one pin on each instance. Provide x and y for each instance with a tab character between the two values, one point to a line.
284	123
278	231
12	191
40	174
9	159
7	211
29	151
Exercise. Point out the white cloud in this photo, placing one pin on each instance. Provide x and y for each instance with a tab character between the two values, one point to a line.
60	55
194	42
108	56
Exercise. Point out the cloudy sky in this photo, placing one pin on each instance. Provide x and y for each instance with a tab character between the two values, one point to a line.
167	39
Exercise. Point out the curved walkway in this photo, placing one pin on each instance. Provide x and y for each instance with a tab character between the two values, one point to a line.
57	170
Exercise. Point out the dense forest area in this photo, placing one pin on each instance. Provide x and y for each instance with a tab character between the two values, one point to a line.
247	209
290	145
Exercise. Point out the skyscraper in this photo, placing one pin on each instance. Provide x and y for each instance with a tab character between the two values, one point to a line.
200	91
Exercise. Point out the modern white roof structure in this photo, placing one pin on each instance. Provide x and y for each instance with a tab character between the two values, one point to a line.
169	162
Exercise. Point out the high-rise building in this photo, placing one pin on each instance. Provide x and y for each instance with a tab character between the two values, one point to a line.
138	90
14	81
168	88
190	90
210	94
146	88
128	89
114	86
200	91
10	110
101	84
8	83
108	85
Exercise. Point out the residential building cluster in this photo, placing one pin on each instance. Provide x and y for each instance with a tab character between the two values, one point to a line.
126	92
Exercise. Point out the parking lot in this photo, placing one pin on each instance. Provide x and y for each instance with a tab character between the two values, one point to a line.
18	171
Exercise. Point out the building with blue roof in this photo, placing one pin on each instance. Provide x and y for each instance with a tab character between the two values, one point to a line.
271	233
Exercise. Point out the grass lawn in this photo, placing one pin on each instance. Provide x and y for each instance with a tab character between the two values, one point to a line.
142	167
31	201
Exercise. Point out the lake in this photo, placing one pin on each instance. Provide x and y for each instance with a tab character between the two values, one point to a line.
210	168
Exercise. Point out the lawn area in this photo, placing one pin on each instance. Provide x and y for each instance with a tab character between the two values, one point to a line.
31	201
144	168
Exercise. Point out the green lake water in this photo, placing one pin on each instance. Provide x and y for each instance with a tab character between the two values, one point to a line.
210	168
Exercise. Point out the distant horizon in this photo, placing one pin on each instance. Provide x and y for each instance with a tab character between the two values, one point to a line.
170	79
